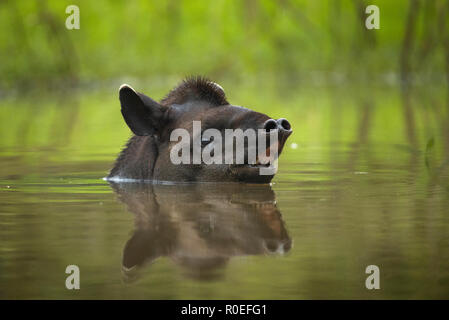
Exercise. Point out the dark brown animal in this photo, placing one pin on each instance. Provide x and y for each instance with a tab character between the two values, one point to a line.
200	228
147	154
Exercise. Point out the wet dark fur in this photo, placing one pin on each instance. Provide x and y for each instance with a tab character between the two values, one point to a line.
137	158
140	152
196	89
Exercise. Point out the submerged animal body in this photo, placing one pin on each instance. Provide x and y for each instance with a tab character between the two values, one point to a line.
148	155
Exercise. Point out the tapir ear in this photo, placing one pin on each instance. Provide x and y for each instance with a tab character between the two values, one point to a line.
142	114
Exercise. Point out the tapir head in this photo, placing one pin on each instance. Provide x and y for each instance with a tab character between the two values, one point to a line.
192	108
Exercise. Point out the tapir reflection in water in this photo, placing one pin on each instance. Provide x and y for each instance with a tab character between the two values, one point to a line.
147	153
200	226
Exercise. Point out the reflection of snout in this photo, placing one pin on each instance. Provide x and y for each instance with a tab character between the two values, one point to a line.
278	246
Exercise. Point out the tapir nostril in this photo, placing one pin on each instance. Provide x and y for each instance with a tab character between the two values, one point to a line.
270	125
284	124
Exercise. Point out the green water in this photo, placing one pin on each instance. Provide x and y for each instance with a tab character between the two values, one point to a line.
362	181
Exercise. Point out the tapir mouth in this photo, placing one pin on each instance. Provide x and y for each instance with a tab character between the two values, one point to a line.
257	165
266	157
263	159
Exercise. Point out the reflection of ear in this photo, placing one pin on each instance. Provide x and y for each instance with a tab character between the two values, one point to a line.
141	248
142	114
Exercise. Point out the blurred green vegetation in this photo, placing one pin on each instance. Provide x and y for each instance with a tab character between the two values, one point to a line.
290	41
363	179
313	62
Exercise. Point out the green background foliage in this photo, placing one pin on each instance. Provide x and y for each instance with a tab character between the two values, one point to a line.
366	181
289	41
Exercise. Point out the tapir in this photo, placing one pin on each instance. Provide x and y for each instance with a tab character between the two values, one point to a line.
200	228
147	155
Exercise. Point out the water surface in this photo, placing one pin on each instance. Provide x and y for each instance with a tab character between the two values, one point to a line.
362	181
